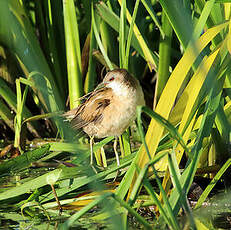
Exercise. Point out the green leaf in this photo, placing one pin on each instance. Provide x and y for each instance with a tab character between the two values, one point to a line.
73	53
214	181
15	164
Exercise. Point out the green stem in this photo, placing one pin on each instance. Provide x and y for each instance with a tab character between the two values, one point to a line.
164	58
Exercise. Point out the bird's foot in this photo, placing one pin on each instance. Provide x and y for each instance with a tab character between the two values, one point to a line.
96	168
117	175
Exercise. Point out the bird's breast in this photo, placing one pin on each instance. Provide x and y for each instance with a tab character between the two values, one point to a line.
118	114
116	117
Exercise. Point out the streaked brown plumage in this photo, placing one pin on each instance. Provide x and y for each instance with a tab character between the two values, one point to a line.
110	108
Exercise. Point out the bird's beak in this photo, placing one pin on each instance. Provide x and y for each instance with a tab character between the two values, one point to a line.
100	86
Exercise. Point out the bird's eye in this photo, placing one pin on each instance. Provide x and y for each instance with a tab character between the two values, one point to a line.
112	78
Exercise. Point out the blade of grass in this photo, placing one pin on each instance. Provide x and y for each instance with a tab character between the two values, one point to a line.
171	129
123	54
113	20
130	34
180	20
164	58
18	117
151	12
26	47
55	33
90	78
16	164
122	34
78	175
213	59
149	56
211	185
109	64
6	115
125	144
223	124
73	53
175	176
188	118
168	211
132	211
142	175
154	133
171	221
172	87
88	207
203	18
204	131
10	98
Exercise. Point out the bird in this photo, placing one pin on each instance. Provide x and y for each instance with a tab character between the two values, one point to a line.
109	109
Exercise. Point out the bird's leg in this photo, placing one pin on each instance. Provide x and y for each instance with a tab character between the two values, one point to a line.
91	148
115	150
92	154
117	157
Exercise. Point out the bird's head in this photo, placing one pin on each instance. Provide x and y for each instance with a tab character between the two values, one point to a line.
119	80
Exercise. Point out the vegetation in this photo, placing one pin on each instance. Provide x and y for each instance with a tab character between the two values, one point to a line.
53	52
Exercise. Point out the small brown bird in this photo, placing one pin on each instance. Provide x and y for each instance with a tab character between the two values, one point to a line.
109	109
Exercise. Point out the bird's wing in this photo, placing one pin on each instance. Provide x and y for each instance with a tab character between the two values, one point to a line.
91	110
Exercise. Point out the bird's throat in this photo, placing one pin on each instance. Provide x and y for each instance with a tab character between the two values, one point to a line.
119	89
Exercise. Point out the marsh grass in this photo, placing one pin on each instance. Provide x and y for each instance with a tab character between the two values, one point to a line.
180	52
